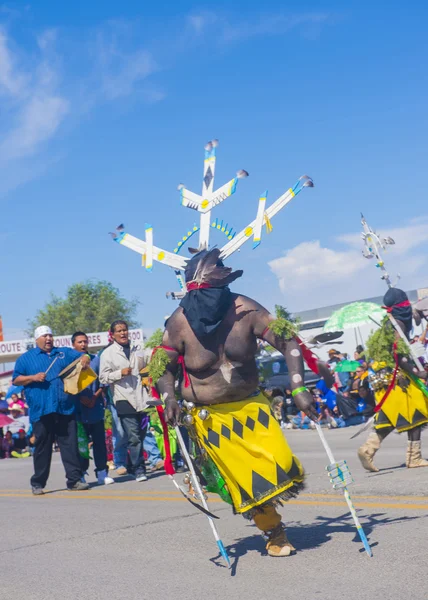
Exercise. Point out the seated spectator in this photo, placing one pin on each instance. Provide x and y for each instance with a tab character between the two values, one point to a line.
342	378
357	406
333	358
302	421
15	399
359	383
19	420
288	408
20	446
277	404
331	412
359	354
7	444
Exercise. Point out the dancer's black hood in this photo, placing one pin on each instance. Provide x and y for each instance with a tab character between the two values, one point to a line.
397	303
208	297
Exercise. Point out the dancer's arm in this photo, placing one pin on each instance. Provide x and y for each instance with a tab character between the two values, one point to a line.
166	384
406	362
292	353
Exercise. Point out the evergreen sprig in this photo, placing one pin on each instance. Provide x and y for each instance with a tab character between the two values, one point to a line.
285	325
155	339
158	365
379	345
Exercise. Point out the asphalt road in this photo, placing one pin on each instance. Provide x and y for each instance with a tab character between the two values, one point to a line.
142	541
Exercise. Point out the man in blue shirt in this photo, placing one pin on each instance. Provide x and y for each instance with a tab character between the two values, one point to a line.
51	410
90	412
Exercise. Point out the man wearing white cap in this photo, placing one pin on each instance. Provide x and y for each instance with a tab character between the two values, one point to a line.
50	408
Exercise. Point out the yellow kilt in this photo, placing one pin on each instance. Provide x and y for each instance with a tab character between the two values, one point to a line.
402	410
247	444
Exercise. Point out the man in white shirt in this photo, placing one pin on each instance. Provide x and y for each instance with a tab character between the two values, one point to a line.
120	366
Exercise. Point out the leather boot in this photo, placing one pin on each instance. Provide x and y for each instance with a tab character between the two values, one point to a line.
367	451
414	456
273	531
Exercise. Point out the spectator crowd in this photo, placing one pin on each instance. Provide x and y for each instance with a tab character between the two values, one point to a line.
98	407
87	407
350	402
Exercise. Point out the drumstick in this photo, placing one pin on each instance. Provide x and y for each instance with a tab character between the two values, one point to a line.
60	355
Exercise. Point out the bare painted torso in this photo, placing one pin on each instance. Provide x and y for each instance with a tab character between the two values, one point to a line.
222	368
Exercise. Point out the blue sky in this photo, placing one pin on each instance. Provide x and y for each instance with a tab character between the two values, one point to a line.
105	107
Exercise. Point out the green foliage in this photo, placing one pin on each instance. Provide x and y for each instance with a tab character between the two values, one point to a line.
379	345
108	419
155	339
88	306
215	482
158	364
285	325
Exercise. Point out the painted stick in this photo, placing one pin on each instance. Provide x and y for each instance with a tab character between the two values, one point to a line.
364	427
149	248
259	221
223	192
180	280
246	233
204	204
200	493
207	188
340	476
189	499
167	258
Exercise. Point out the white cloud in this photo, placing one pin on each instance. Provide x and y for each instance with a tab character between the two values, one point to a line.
200	21
311	275
47	38
39	89
225	29
33	108
33	100
152	95
308	261
12	82
132	70
38	121
121	71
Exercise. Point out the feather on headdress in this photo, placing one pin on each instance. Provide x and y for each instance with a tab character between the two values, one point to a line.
206	267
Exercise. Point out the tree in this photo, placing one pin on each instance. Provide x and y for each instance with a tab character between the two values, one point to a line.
88	306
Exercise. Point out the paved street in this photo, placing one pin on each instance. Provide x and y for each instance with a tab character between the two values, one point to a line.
142	541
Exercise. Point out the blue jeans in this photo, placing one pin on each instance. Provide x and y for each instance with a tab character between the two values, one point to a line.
136	434
120	440
301	423
96	432
355	420
151	447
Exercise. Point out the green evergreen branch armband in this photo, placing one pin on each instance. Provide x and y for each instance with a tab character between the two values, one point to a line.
158	364
284	326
